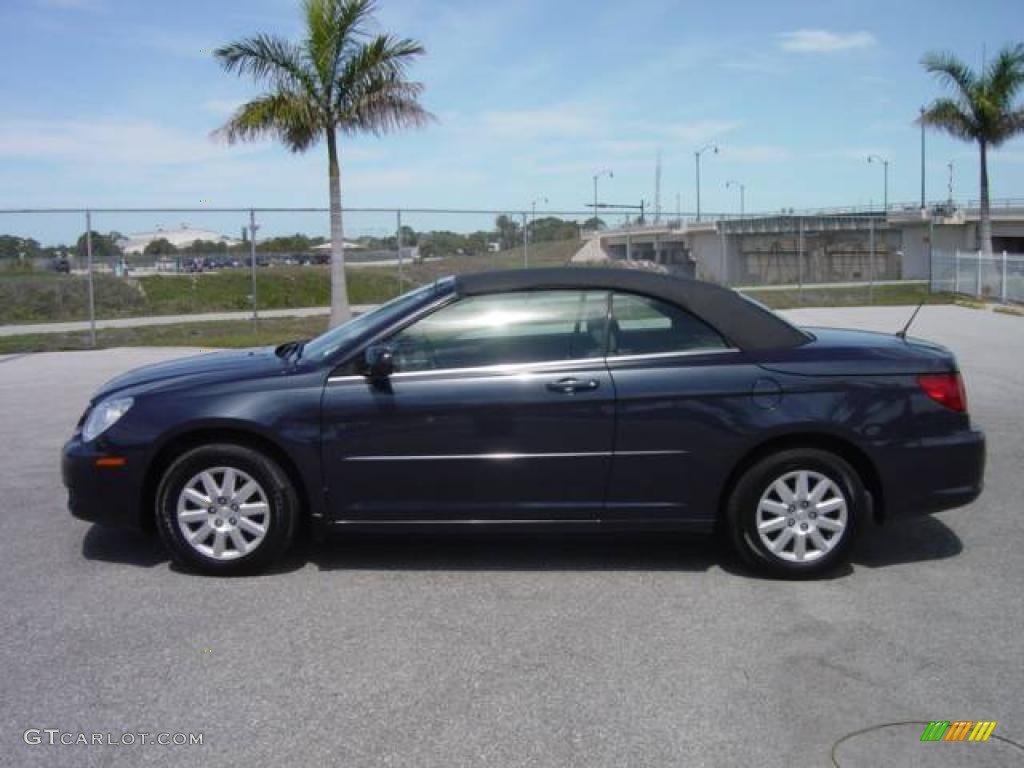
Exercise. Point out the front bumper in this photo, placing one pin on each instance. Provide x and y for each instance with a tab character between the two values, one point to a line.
109	495
933	475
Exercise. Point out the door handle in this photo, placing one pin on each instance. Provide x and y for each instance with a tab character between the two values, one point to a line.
571	386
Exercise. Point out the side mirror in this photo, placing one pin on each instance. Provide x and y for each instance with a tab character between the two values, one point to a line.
380	361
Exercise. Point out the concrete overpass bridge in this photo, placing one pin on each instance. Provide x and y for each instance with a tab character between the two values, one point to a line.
826	245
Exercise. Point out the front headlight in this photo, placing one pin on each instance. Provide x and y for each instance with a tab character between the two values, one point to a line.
104	416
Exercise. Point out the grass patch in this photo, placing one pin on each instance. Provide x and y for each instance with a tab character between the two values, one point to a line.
276	288
214	335
1002	309
47	298
555	253
960	301
857	296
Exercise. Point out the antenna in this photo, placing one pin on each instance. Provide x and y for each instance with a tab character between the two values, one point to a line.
902	333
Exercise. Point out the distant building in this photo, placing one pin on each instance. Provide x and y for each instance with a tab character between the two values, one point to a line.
349	246
180	238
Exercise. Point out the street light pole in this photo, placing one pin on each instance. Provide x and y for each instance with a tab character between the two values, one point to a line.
743	194
885	172
696	157
598	175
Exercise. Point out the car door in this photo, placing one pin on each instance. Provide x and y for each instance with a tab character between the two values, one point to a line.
683	403
500	407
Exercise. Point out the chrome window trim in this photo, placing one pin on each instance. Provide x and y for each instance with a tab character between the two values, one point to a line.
519	369
511	369
668	355
512	456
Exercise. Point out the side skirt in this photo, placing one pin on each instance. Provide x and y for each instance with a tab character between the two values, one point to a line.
520	526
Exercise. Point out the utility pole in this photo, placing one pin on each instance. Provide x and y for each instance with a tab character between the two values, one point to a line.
951	184
696	157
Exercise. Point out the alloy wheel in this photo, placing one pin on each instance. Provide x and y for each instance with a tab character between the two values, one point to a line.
802	516
223	513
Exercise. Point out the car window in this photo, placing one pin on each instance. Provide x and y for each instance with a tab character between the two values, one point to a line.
642	326
327	344
496	329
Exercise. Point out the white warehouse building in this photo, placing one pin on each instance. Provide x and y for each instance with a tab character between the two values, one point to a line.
180	238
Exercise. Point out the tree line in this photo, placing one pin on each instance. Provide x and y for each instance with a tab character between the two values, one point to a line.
506	234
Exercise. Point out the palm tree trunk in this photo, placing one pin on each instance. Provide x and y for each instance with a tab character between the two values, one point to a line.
985	219
340	311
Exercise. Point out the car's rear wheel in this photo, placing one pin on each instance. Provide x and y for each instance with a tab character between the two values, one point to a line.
795	513
226	509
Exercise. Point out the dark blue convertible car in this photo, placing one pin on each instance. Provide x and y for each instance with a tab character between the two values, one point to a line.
596	399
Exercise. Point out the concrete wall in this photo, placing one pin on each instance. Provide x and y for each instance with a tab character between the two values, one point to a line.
765	251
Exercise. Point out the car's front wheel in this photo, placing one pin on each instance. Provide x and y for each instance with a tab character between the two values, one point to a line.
226	509
796	512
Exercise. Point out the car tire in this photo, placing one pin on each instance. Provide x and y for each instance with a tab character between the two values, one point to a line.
795	513
226	509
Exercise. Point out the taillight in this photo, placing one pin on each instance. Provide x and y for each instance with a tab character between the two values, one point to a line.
946	389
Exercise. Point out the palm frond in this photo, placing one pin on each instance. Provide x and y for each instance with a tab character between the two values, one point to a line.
382	104
950	116
284	115
266	58
334	27
1010	124
1005	75
372	91
951	71
382	55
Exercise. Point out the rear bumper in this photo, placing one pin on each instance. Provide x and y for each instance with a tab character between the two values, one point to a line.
107	495
932	475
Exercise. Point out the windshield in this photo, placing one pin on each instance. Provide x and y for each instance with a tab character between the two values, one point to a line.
327	344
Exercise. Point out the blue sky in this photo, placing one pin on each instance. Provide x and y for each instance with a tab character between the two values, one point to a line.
111	102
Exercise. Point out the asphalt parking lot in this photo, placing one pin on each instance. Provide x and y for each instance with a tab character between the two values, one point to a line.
515	651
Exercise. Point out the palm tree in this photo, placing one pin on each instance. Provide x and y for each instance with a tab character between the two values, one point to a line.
982	110
339	78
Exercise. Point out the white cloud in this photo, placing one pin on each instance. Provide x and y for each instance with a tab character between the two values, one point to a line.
698	131
109	141
824	41
559	121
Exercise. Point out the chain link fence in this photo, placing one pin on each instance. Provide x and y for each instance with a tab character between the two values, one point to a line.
994	277
81	272
219	276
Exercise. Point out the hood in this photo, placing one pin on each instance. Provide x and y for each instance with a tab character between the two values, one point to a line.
841	352
215	366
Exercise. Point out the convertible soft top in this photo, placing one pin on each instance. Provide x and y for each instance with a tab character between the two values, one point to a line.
744	323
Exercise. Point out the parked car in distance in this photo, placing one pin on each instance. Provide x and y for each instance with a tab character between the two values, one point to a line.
574	399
